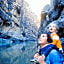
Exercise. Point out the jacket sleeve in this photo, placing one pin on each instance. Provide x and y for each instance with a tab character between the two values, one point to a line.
55	57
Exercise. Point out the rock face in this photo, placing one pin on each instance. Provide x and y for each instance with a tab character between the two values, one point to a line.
17	19
54	14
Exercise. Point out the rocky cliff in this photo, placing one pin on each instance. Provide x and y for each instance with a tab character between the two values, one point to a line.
53	13
16	19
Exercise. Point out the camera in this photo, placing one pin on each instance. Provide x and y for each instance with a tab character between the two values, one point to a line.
33	60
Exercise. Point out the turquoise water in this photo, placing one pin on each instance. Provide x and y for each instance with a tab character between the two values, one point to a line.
19	53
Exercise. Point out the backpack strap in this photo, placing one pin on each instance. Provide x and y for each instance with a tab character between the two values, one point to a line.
51	47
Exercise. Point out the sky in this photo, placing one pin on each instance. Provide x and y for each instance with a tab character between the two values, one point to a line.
36	6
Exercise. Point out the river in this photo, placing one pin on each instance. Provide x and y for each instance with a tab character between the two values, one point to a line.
19	53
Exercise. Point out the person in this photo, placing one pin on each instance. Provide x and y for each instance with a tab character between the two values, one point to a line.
54	57
53	30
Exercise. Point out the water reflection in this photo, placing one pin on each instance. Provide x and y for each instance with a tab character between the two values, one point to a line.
19	53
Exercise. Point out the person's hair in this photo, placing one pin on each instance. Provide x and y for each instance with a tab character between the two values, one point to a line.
49	38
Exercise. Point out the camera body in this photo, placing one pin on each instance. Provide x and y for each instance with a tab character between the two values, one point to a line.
33	60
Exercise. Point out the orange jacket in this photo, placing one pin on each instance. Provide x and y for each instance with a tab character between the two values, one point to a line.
56	40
